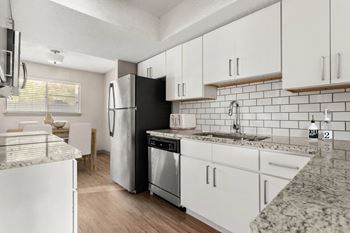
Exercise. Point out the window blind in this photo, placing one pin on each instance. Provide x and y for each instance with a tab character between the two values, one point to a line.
43	96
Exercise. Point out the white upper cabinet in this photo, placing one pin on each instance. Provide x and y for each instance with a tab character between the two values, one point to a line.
340	50
184	72
248	48
305	43
153	67
258	41
219	53
192	68
174	84
192	71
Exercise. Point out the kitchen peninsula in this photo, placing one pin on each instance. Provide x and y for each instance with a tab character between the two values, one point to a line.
38	179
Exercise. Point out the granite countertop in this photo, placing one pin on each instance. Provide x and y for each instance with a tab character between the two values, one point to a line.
317	200
26	149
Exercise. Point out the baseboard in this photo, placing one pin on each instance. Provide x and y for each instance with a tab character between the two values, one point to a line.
105	152
206	221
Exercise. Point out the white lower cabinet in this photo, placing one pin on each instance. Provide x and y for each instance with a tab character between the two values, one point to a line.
39	198
196	191
228	185
226	196
270	187
236	198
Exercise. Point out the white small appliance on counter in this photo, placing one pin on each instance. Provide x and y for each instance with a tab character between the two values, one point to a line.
182	121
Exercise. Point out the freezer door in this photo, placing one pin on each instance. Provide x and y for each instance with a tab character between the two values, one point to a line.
124	89
123	149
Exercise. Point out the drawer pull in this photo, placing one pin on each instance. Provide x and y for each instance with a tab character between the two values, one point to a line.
283	166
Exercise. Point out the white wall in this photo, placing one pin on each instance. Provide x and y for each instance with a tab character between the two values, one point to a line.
92	97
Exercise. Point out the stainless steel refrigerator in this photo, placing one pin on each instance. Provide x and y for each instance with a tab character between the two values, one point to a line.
135	105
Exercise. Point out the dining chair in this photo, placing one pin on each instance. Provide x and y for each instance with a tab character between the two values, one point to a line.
40	127
80	138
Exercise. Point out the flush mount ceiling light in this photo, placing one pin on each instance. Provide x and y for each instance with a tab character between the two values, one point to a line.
55	57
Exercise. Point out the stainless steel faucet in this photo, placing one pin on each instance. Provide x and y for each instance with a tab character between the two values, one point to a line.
237	121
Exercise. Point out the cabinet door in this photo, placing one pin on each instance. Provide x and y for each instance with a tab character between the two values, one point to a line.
142	68
237	198
270	187
174	86
259	43
305	43
219	55
38	198
157	66
340	41
192	68
196	186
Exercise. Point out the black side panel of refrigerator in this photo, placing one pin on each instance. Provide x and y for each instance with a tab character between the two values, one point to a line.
152	113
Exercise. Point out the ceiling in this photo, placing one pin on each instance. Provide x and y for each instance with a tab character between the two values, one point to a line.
155	7
130	30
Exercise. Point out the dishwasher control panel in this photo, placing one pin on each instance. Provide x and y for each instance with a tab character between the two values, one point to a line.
168	144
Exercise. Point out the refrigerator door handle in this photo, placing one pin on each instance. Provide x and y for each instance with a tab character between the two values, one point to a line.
111	126
111	94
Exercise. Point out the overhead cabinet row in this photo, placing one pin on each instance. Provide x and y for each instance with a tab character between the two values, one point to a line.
316	48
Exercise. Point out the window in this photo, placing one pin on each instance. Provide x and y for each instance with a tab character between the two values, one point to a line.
41	96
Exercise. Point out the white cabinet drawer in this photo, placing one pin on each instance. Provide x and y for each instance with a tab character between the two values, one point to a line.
196	149
282	165
236	156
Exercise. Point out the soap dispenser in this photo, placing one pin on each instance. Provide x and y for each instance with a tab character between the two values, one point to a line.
313	130
327	131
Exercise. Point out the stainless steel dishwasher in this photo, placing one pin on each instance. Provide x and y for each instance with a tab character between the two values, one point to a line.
164	168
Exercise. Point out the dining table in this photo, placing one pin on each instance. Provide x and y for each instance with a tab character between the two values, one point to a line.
64	134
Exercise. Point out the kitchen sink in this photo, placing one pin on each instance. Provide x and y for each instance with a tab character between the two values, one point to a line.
234	136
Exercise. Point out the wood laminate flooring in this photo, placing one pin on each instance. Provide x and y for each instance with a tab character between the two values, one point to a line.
104	207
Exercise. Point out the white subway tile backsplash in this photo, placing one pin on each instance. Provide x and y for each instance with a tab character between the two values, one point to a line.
272	108
309	108
299	99
341	97
249	89
266	101
334	107
256	95
280	100
280	132
266	109
290	124
289	108
341	116
299	116
323	98
274	93
279	116
264	87
271	124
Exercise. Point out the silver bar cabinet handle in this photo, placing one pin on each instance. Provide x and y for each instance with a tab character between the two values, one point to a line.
283	166
339	62
237	66
207	174
178	90
150	72
230	67
214	177
323	68
183	89
25	75
265	192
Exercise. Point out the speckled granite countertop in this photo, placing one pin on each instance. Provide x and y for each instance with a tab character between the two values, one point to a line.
26	149
317	200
